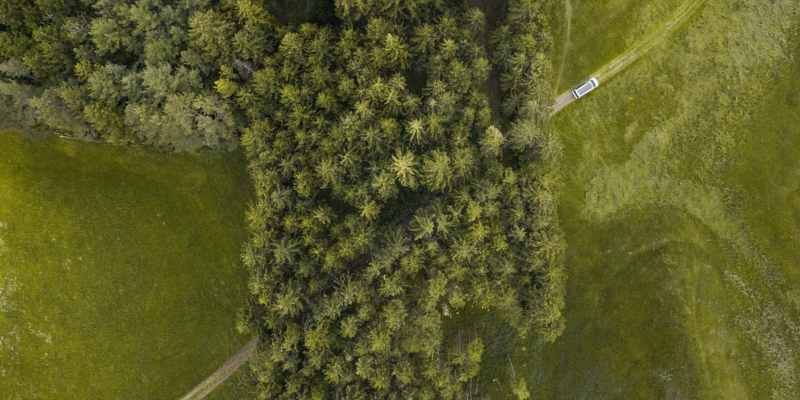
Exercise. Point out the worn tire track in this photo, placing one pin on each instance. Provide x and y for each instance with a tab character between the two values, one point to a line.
641	47
568	18
205	387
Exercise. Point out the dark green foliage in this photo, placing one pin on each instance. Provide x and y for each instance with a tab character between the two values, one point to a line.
383	210
17	112
133	71
520	48
386	201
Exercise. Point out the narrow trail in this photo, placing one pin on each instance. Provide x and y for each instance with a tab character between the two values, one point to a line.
205	387
568	18
639	49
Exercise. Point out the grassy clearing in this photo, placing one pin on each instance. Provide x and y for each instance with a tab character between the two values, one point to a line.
601	30
119	269
238	386
680	210
684	133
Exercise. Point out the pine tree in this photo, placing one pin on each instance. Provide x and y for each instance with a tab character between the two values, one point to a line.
211	34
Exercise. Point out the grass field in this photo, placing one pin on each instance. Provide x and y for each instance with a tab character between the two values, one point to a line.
119	269
600	31
681	213
238	386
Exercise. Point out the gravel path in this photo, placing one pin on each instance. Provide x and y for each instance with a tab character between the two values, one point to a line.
639	49
204	388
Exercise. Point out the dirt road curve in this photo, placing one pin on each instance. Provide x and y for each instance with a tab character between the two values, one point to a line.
222	373
640	48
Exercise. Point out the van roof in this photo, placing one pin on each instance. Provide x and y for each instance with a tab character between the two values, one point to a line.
585	88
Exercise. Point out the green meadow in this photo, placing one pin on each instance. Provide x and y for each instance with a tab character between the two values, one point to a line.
680	204
119	268
240	385
599	32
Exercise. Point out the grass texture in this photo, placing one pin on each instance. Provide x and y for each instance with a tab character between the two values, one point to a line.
119	269
600	31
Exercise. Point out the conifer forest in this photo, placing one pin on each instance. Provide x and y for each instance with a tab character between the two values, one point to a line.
386	198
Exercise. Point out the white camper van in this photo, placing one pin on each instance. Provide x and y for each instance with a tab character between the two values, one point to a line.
585	88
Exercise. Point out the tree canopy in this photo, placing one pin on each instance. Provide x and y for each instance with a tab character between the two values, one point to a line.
386	198
387	201
131	71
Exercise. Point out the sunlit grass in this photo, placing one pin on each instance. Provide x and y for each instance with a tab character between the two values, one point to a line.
601	31
238	386
125	267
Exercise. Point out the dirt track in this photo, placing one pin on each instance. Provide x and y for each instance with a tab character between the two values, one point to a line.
639	49
222	373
